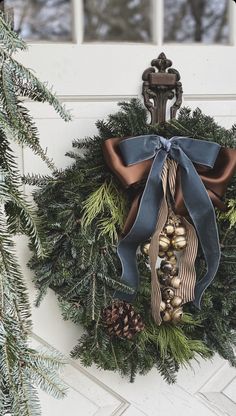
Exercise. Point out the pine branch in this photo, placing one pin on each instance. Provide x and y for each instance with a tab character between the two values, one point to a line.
21	368
21	211
28	85
230	214
106	200
9	40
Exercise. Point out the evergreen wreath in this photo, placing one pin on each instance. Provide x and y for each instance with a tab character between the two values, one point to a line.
83	209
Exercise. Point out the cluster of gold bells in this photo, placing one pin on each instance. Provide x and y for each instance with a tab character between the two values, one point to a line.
172	239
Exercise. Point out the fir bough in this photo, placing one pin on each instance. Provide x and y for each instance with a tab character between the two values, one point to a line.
22	369
82	266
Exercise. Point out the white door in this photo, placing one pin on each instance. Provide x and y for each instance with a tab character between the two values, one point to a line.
94	56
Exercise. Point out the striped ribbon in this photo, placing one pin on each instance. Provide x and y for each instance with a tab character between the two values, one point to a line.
186	269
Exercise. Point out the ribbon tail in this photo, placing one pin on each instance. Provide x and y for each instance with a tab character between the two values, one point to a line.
154	249
143	227
186	261
130	274
187	272
202	212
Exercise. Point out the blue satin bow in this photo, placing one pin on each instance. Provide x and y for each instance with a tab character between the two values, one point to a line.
185	151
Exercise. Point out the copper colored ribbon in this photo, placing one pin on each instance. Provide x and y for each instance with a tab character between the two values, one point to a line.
216	180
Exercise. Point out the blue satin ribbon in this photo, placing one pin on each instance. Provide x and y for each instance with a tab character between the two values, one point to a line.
185	151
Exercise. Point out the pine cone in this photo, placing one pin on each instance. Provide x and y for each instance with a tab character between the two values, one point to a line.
121	320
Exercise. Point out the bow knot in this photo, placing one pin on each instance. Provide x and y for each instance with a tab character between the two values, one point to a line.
165	144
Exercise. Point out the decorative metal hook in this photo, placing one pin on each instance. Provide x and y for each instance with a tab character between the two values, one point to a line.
159	86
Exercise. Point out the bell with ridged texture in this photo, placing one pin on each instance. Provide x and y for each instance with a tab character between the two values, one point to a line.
179	242
164	243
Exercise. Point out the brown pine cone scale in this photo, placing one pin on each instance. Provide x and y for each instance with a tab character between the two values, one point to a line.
121	320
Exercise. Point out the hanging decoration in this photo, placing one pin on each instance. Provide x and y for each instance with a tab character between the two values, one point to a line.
128	159
171	169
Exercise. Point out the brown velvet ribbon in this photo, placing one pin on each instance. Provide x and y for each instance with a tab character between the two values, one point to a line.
215	180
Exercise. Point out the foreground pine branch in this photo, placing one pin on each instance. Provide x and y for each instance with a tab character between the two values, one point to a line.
22	369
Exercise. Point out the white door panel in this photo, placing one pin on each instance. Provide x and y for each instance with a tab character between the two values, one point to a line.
117	69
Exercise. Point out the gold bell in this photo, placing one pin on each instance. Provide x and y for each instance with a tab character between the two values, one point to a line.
166	266
169	253
145	248
174	272
169	229
179	242
176	301
161	254
164	243
177	315
168	293
162	306
165	280
166	316
180	230
173	260
169	308
175	282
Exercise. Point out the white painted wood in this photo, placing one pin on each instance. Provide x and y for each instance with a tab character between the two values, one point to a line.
230	390
91	79
85	392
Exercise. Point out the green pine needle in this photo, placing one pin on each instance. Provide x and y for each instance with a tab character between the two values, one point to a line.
230	214
107	207
9	40
172	340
